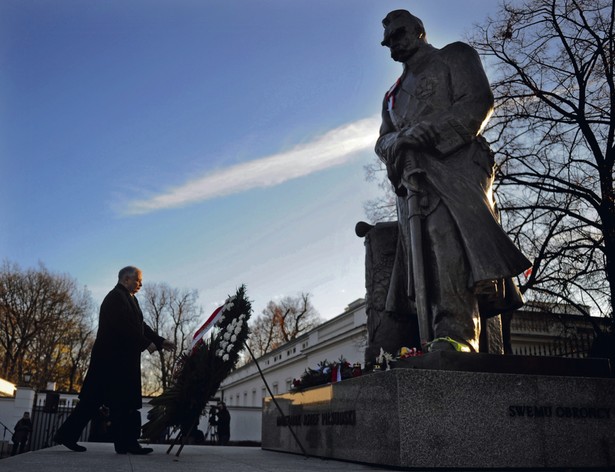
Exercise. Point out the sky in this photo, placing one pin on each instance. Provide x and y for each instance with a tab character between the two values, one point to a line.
211	143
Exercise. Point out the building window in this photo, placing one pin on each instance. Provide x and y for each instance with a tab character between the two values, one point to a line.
275	388
288	384
253	397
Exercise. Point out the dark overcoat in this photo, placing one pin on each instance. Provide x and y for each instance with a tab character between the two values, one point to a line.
22	429
114	375
224	423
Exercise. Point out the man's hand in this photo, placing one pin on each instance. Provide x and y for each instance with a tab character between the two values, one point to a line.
168	345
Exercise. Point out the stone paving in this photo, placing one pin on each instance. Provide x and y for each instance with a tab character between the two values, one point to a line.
101	457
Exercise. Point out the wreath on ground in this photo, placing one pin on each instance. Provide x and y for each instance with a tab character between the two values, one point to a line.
199	372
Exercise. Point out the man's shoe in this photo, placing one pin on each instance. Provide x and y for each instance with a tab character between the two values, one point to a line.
72	445
140	451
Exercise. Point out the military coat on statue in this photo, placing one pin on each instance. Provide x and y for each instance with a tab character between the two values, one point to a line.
448	88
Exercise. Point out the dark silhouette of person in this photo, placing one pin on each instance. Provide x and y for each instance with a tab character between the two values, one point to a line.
114	375
224	424
23	428
100	426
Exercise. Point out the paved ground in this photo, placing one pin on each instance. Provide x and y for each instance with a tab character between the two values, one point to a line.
101	457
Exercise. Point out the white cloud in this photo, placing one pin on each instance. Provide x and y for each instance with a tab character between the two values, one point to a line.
333	148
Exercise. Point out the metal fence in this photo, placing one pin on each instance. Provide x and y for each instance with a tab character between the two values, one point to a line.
47	417
577	347
5	436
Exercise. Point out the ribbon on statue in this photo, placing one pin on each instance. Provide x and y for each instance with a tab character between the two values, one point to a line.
390	95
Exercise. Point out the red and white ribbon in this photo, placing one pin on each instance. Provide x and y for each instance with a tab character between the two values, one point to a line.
210	323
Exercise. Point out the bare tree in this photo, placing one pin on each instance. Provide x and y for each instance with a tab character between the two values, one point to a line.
383	207
173	314
40	313
79	347
553	132
281	322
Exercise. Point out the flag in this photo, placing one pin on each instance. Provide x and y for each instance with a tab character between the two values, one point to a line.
210	323
333	373
336	373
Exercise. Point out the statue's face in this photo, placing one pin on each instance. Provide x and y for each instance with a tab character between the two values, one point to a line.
402	39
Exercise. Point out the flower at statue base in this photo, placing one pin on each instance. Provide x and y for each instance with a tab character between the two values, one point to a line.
406	352
326	372
199	372
383	360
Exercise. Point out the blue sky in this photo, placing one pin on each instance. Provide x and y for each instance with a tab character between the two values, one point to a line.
211	142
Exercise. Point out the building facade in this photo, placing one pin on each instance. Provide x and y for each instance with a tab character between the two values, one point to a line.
343	336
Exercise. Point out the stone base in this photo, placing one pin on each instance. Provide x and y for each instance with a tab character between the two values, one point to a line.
535	365
451	419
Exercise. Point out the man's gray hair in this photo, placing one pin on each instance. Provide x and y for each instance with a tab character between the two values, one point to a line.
128	270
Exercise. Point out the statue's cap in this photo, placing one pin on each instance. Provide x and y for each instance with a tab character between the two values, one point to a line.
404	16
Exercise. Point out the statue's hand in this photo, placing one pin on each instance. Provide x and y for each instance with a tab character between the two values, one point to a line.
397	159
423	135
388	152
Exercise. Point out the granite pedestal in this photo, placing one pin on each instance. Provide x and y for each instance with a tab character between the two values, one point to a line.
425	418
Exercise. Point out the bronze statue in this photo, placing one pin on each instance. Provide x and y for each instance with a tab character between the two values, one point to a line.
453	262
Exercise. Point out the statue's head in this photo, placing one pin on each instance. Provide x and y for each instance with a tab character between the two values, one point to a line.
403	34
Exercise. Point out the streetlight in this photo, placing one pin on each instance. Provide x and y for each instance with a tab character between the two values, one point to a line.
27	376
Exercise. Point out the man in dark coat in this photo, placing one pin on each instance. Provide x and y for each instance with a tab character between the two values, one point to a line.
432	120
23	428
114	374
224	424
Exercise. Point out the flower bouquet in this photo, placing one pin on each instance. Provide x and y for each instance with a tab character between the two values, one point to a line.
386	361
200	371
326	372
